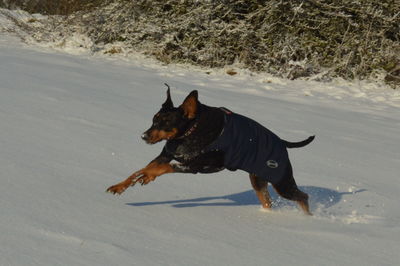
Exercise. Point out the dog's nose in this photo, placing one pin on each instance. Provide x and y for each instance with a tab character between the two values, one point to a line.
144	136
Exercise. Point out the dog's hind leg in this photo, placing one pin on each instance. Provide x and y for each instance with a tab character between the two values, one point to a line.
261	188
288	189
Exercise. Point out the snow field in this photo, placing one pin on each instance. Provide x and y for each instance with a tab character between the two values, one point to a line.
71	126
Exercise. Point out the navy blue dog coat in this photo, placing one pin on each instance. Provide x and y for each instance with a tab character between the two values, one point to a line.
249	146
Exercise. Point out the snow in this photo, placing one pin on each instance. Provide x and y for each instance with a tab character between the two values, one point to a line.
71	126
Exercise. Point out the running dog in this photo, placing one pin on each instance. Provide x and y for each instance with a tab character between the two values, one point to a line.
205	139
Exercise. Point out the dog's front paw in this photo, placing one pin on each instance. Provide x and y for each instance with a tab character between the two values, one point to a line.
117	189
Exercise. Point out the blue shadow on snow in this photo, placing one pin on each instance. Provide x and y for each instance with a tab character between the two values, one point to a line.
322	197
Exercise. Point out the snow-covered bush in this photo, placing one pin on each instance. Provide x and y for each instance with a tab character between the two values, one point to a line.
50	7
295	38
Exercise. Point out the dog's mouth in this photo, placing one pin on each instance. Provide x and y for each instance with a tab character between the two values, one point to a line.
156	136
151	142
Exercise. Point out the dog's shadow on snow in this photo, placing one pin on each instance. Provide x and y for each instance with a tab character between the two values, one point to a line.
319	197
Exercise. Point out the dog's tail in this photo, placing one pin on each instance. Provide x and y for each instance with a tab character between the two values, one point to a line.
299	144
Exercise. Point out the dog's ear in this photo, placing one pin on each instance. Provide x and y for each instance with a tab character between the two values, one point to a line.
190	105
168	103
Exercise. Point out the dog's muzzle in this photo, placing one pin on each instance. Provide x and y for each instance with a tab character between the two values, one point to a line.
145	136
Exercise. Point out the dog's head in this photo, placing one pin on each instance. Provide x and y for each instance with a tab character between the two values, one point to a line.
171	122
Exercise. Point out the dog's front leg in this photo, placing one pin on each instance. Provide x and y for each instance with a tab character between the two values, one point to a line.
152	171
155	168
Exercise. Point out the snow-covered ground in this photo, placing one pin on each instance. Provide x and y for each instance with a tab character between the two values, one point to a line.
70	127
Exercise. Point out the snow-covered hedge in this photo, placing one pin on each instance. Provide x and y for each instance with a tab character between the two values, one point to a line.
290	38
50	7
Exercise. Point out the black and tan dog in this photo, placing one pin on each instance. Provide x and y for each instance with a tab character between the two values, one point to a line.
204	139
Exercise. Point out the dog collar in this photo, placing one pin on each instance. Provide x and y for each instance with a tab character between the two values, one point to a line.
193	128
189	131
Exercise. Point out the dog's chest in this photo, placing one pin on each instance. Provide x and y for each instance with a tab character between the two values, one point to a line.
182	152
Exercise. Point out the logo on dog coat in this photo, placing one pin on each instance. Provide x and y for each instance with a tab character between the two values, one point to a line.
272	164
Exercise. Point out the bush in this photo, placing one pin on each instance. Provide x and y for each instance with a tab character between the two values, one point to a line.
51	7
289	38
